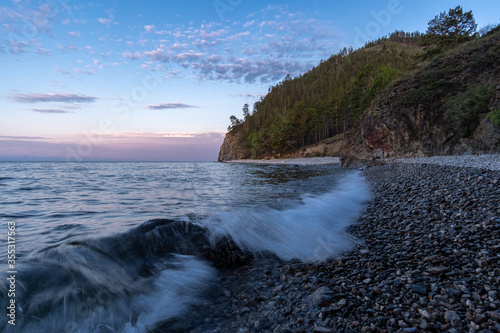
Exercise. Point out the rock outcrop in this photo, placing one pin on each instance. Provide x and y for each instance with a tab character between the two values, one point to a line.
231	147
410	119
329	147
386	133
161	237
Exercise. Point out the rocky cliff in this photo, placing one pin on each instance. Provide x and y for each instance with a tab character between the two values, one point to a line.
435	111
328	147
231	147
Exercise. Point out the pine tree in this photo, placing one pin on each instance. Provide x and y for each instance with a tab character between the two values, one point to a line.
246	111
454	27
234	122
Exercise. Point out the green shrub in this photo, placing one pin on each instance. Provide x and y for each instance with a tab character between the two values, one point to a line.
464	108
494	117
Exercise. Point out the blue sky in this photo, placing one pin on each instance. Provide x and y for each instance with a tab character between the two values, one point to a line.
158	80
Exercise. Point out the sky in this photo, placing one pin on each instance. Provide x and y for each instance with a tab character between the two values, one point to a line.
157	80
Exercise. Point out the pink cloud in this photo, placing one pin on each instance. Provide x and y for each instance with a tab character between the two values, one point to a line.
132	56
105	21
188	57
164	106
74	34
212	34
52	97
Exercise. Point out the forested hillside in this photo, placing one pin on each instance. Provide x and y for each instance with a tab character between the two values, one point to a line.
333	97
327	100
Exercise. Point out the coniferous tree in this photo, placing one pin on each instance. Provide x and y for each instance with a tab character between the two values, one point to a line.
234	122
450	28
246	111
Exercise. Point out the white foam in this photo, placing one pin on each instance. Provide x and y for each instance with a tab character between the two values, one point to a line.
145	303
175	290
312	231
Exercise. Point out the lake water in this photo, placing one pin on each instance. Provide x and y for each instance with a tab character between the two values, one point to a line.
84	247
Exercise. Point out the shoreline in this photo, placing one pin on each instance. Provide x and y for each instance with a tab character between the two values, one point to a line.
483	161
429	262
305	161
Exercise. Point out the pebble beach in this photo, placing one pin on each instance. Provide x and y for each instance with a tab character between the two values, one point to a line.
304	161
427	260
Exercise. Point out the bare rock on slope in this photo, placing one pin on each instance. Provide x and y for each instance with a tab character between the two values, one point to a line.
231	147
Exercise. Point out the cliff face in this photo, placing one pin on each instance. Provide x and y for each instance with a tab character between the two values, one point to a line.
231	147
327	147
413	118
386	133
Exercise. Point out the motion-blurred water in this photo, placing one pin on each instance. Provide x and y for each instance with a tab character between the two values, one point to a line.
83	247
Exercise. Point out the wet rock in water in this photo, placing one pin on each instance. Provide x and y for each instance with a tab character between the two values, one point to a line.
162	236
226	254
